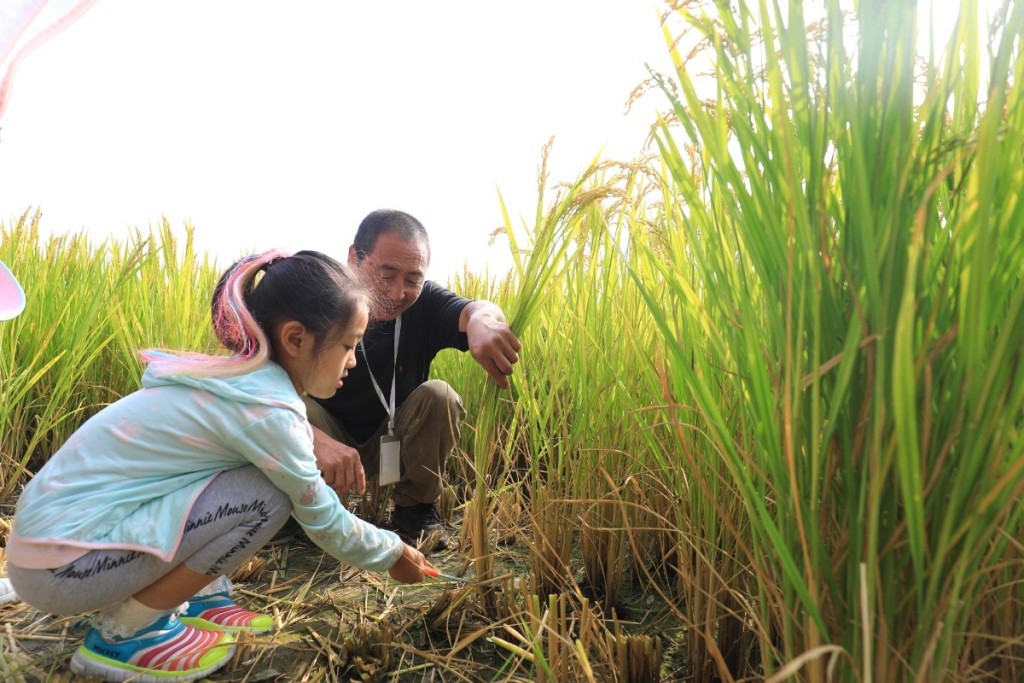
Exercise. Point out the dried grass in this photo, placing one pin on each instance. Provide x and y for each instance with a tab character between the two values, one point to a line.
337	623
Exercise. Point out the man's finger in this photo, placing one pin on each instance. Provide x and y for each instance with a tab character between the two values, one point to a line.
344	483
497	375
360	481
503	364
512	340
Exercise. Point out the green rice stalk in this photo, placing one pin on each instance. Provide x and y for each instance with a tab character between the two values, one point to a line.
842	308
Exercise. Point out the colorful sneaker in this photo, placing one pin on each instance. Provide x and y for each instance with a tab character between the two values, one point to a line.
166	650
217	611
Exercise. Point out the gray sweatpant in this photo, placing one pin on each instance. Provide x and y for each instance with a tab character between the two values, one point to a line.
236	515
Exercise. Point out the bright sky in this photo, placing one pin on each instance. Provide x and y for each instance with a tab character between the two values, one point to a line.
266	127
270	127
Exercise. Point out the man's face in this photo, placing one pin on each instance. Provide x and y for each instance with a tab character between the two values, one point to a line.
396	270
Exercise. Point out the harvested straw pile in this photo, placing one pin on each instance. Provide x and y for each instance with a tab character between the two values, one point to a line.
333	623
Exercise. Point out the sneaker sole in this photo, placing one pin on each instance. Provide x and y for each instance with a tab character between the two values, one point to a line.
199	622
87	663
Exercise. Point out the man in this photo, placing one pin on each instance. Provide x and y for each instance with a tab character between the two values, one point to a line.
413	320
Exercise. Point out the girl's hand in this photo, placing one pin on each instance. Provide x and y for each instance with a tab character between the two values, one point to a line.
410	566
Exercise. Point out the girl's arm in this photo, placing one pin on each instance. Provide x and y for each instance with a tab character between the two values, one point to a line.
281	445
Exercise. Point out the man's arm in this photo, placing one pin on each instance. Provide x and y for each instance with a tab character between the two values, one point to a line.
491	341
339	464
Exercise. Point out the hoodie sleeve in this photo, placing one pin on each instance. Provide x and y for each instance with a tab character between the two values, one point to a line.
281	445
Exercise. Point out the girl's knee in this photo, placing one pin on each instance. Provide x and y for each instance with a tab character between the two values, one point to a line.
246	483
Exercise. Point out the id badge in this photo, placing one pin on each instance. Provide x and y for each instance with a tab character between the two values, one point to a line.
390	450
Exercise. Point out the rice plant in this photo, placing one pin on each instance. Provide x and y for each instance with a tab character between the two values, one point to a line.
89	309
766	424
848	262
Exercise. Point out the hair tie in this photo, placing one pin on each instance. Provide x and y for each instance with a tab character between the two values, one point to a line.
266	266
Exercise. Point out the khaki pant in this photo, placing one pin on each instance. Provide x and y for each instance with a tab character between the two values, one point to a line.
428	423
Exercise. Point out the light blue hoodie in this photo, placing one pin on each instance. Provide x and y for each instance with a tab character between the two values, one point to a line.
129	476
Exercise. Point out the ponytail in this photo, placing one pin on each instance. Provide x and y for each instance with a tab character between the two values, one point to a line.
309	287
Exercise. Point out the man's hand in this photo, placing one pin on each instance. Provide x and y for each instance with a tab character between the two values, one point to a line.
339	464
491	341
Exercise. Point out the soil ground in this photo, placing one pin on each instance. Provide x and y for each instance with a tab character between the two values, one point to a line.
338	623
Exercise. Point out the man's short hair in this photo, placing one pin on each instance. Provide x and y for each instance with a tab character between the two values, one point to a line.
387	220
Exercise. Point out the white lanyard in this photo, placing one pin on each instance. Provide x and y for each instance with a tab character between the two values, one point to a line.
394	374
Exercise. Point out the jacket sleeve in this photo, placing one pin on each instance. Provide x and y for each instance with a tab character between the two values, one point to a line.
281	445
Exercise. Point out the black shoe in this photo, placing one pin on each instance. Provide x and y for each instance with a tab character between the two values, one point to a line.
420	525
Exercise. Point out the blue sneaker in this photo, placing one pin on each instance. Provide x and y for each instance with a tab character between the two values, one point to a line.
166	650
218	612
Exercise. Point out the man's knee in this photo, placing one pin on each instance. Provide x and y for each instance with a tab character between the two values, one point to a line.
437	398
323	420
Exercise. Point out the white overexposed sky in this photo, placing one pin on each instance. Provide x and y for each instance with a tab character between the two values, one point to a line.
283	124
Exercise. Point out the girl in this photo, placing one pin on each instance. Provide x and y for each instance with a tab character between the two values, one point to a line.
161	495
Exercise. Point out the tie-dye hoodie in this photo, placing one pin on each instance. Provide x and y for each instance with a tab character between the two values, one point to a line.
129	476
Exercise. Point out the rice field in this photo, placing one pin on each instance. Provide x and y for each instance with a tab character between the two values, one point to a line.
767	422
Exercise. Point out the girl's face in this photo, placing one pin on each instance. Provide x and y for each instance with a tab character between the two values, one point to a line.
324	373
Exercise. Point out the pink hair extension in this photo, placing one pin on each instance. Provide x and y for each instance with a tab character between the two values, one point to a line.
233	324
46	21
